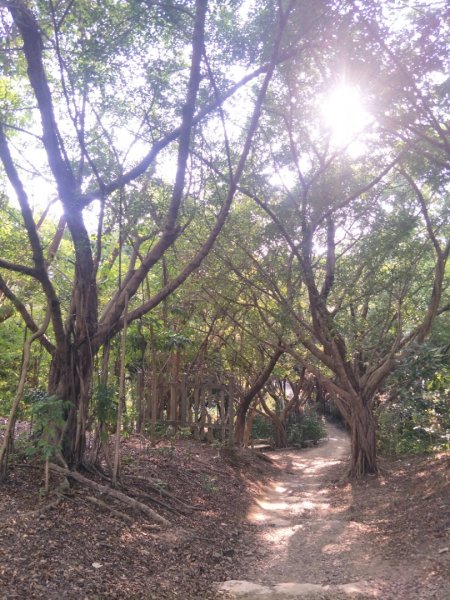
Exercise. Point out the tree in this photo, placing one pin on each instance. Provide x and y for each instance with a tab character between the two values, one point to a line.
354	261
333	260
79	87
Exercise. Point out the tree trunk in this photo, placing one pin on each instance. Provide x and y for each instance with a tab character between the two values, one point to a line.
140	401
363	440
244	405
281	438
70	379
174	386
248	426
239	426
279	423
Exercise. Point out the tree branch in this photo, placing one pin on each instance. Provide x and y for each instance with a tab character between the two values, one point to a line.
28	319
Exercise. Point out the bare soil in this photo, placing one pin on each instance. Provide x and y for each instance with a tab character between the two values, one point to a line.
279	527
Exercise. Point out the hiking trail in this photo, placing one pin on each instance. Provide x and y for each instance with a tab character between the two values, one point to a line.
312	546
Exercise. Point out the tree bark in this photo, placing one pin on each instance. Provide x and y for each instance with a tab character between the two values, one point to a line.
279	423
363	459
70	379
174	385
140	400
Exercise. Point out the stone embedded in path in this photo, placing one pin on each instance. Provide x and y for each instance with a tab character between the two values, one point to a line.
276	522
296	590
241	589
247	590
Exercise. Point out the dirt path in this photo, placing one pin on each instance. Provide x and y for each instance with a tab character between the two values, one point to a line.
313	545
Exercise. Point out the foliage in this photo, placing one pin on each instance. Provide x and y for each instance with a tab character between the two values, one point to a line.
47	417
105	405
311	427
163	431
262	427
414	411
334	250
11	334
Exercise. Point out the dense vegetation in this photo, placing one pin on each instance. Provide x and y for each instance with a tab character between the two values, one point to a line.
180	210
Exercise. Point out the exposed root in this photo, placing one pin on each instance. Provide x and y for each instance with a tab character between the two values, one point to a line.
96	471
263	457
42	509
109	508
157	488
172	509
156	484
107	491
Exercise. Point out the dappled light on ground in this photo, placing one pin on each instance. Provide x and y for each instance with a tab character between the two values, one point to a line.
326	537
300	496
297	520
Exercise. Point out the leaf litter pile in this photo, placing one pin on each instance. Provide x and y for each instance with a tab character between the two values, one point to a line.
80	543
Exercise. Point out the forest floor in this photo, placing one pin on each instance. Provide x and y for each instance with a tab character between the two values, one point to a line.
79	550
265	529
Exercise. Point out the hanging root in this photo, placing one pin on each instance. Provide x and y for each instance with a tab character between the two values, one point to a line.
9	433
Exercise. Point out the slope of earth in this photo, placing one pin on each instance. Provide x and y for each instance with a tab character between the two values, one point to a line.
68	545
323	538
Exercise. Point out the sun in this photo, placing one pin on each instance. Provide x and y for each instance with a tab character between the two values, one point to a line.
344	115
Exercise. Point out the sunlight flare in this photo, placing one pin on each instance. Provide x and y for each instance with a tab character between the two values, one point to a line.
344	114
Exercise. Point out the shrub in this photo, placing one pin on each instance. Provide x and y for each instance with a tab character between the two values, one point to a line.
414	416
310	428
47	422
262	427
105	405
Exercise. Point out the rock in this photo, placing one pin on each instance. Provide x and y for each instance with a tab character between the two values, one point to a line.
247	590
298	589
241	589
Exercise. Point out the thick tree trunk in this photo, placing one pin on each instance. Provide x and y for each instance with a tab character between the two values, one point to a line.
249	426
363	440
239	426
70	379
281	438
